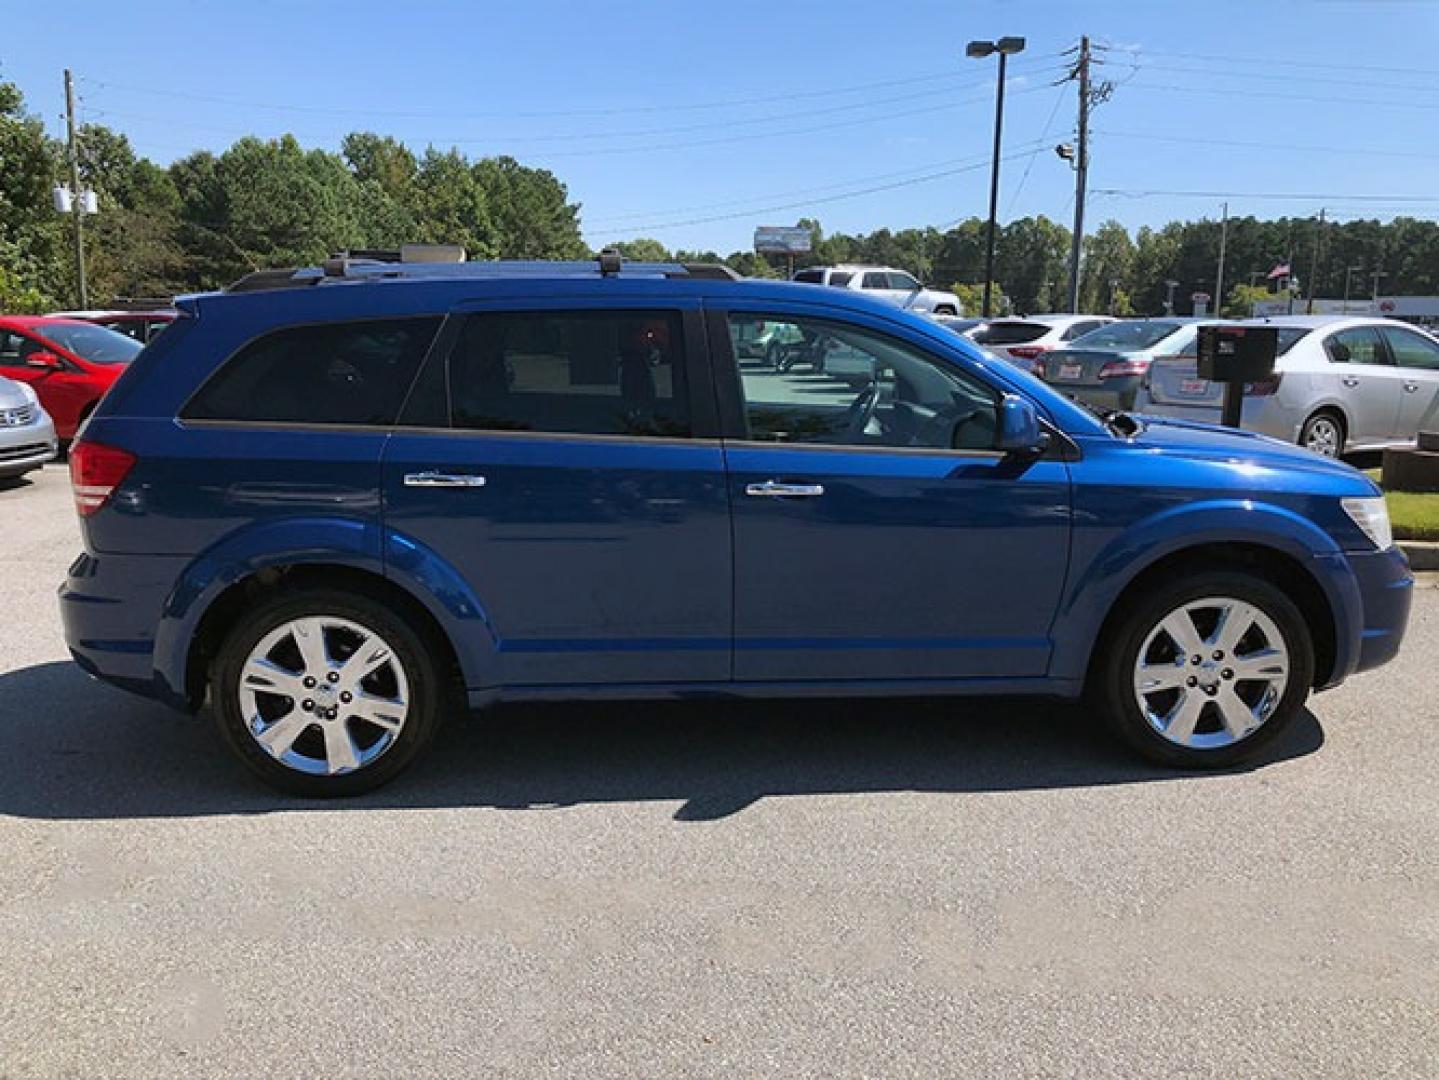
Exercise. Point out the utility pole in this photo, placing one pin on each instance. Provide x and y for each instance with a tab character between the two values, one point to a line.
75	188
1169	286
1219	273
1348	277
1314	263
1376	276
1090	94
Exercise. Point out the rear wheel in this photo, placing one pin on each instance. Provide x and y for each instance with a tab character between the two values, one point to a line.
1323	433
1206	671
325	692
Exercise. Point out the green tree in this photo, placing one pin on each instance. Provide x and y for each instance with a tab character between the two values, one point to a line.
643	249
971	299
38	270
530	211
1108	262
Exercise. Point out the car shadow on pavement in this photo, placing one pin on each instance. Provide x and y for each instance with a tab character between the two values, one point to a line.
76	749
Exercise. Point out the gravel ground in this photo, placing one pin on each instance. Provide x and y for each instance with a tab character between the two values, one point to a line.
718	890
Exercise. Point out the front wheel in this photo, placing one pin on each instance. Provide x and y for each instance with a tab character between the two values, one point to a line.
1206	671
326	692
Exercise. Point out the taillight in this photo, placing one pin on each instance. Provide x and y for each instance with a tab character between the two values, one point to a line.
96	470
1265	387
1027	352
1120	369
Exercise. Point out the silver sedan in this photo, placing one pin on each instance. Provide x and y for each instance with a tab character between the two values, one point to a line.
27	434
1339	384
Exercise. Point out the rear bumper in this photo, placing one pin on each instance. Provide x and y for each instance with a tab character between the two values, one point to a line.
1111	394
1258	414
110	606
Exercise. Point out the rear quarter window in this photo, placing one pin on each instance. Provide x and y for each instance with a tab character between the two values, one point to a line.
335	373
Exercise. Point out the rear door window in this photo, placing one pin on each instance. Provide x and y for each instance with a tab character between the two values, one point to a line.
840	278
811	277
1011	333
873	280
1357	345
336	373
578	372
903	281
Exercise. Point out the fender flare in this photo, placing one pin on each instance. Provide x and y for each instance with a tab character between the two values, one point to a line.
320	540
1095	588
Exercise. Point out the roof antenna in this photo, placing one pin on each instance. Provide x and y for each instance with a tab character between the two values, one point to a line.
609	262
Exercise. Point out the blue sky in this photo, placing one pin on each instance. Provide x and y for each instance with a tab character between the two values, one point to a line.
695	122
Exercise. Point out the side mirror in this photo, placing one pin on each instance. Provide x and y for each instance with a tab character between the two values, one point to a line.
1019	430
45	360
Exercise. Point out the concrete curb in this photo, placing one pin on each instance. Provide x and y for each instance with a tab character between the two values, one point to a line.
1423	554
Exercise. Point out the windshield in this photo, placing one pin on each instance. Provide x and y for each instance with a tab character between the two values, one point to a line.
93	343
1011	333
1126	336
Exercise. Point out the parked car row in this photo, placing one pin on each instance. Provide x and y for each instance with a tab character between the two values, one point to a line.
1340	384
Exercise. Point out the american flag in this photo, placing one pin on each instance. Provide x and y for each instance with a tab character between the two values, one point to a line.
1282	270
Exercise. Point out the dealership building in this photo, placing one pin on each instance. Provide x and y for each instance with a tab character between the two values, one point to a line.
1419	310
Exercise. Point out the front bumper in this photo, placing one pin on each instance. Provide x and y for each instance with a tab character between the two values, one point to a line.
1386	591
28	447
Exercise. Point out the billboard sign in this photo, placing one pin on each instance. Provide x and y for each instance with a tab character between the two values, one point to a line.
782	240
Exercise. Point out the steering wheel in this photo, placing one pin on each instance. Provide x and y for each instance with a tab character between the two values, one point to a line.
961	417
861	412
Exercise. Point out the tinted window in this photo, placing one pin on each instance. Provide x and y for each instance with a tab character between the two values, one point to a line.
588	372
812	277
842	385
840	278
1122	336
339	373
10	349
875	281
902	281
93	343
1010	333
1357	345
1079	329
1413	350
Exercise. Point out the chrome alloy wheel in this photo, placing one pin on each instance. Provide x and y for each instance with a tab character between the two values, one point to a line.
1322	436
323	695
1211	672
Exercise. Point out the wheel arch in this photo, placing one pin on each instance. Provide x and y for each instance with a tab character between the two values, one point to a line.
1270	563
221	613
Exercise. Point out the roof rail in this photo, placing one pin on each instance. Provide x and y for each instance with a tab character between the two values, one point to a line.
344	269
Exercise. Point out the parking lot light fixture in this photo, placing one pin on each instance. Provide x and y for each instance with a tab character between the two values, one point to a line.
978	50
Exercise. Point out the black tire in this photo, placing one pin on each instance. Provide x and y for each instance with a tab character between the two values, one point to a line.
411	649
1313	424
1112	691
945	309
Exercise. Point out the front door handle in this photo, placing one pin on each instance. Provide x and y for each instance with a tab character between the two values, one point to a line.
773	489
1350	381
1410	387
432	479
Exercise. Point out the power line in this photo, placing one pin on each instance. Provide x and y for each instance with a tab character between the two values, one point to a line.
1029	165
1203	91
1271	62
804	203
826	92
1131	193
1188	140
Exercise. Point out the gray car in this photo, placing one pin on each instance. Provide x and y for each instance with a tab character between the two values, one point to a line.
1105	367
27	435
1339	384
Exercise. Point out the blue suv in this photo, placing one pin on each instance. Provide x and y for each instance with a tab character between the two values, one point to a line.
339	504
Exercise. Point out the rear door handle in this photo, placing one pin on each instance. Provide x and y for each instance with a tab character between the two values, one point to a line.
773	489
1350	381
432	479
1410	387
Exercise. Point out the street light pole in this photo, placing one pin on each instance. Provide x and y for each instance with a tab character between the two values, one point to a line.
1348	276
1006	47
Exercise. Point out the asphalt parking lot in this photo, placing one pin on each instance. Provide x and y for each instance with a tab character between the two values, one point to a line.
717	890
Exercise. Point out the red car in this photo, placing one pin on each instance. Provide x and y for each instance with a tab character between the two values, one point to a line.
143	326
69	364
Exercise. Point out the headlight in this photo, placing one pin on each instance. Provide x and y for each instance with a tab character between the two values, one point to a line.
1371	514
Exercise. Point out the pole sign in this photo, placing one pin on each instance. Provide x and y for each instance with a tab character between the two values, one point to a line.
782	240
1235	355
